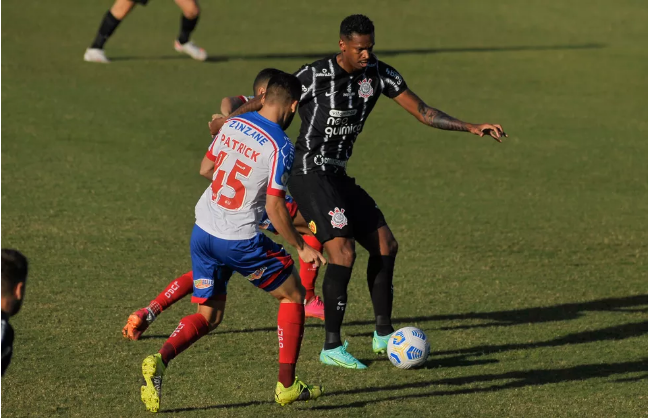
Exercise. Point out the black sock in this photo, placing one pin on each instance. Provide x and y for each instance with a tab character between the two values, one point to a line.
380	275
334	290
108	25
186	27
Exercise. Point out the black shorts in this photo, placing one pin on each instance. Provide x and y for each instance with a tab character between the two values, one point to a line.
335	206
142	2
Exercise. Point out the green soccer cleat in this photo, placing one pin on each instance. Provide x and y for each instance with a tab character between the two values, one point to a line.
379	343
340	357
299	391
152	370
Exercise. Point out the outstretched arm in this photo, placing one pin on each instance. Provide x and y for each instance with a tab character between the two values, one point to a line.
230	104
440	120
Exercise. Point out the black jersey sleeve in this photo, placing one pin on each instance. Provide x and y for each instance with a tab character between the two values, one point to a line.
7	343
305	76
392	82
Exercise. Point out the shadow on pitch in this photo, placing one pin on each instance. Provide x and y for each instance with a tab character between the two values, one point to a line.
211	407
618	332
562	312
379	53
513	380
235	331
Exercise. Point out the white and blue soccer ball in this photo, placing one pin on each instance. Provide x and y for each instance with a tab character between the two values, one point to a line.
408	347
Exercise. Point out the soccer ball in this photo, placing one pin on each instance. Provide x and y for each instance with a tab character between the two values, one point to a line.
408	347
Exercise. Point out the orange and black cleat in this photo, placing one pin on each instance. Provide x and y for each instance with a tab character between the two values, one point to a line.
137	323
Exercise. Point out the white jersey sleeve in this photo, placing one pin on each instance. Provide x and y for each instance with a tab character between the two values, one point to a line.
281	162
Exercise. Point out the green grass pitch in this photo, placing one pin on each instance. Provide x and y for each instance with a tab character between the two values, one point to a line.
524	262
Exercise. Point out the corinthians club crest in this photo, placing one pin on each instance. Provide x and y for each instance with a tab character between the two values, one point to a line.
365	89
338	219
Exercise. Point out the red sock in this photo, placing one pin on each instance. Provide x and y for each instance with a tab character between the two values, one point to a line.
307	271
290	328
189	330
175	291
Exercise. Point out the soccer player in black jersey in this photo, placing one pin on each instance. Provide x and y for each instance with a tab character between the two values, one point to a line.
338	94
14	278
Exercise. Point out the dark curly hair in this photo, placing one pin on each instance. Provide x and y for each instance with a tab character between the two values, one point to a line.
263	77
358	24
283	88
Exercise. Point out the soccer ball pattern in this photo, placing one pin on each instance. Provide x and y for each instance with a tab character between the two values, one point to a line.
408	347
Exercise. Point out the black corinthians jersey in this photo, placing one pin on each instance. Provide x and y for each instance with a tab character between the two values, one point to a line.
334	107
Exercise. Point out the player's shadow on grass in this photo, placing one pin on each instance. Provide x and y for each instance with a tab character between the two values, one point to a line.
379	53
513	380
235	331
210	407
563	312
618	332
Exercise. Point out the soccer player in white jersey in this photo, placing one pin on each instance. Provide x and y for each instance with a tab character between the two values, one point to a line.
249	163
139	321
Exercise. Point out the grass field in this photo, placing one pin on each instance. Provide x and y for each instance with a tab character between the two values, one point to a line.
525	262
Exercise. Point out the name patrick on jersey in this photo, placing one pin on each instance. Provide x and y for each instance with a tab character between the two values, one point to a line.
239	146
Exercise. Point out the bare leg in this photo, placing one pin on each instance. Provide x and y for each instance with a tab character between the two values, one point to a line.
188	22
122	8
110	21
190	8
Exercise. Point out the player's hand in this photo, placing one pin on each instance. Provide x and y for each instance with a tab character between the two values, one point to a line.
311	256
214	117
215	124
496	131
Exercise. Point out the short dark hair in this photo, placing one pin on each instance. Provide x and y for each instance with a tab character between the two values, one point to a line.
358	24
14	269
283	88
263	77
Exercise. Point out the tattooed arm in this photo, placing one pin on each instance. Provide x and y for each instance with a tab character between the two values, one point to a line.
217	122
440	120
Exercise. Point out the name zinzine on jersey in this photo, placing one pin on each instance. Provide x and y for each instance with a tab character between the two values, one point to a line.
248	130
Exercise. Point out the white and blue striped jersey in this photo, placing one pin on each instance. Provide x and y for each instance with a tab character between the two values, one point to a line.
252	158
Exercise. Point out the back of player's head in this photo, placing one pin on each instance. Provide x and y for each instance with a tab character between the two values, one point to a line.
283	89
356	24
263	77
14	270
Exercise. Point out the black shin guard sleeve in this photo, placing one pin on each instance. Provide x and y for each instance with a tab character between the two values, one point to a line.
186	27
334	290
108	25
380	275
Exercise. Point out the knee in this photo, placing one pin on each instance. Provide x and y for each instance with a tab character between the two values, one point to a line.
292	293
190	9
215	323
391	247
121	8
213	318
344	256
194	12
345	259
298	295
